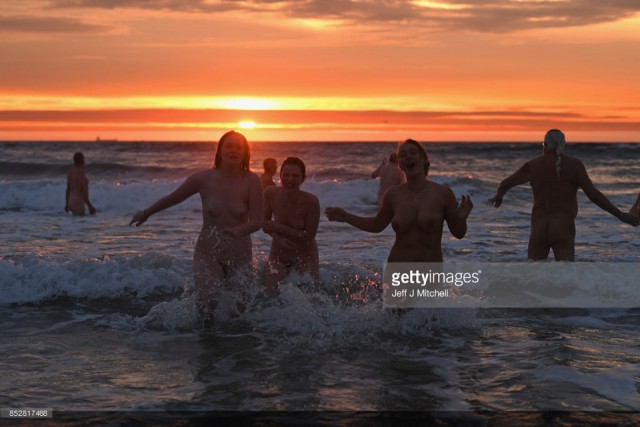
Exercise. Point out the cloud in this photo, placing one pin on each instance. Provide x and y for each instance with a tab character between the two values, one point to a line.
529	120
509	15
494	16
36	25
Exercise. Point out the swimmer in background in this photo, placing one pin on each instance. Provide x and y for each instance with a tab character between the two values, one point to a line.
270	166
417	211
555	178
231	197
390	175
77	194
296	215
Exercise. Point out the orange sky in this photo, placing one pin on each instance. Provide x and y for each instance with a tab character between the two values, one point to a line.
503	70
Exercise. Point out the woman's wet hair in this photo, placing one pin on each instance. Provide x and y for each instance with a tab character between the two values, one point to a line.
294	161
421	150
217	163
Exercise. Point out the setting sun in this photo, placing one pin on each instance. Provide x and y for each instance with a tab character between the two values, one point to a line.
313	70
247	125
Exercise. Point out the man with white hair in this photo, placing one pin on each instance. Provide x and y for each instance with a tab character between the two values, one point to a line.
555	178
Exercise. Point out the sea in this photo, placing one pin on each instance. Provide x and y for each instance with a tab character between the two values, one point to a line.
98	322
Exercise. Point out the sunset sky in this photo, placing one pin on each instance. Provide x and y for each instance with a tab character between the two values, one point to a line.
457	70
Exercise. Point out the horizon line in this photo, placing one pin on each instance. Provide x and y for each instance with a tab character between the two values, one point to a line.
261	141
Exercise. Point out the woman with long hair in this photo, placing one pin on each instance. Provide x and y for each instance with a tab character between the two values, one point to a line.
231	198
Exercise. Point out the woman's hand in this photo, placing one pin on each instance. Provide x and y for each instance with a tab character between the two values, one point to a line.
629	218
465	207
139	218
336	214
495	201
269	227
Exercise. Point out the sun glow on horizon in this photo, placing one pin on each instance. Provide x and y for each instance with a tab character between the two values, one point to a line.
247	124
17	102
249	104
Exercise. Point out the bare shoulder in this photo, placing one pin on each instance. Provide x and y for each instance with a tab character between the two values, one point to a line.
251	175
311	199
396	190
270	192
572	160
573	164
253	178
536	159
441	189
531	165
205	173
200	176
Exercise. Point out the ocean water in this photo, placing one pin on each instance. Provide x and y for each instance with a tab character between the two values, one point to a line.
98	316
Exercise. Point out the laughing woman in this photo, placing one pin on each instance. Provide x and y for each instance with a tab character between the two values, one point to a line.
231	198
296	215
417	211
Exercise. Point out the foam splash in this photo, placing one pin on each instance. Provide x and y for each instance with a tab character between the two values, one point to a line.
34	279
175	315
343	304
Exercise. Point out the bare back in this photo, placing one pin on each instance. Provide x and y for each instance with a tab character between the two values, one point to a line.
78	190
555	203
553	196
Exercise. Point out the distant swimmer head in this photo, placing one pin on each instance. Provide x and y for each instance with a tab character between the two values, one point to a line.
270	165
554	141
233	146
78	159
405	154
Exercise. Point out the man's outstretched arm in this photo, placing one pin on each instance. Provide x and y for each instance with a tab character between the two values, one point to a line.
601	200
521	176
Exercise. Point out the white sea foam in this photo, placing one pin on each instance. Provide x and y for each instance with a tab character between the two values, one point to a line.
34	279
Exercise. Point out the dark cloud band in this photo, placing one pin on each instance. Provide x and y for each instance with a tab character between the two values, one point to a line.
497	16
